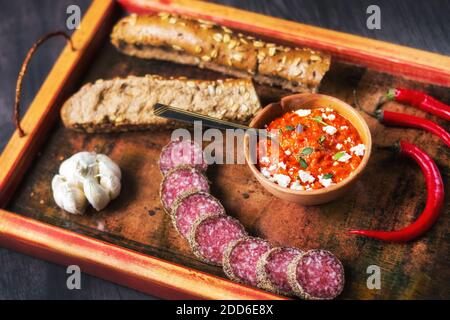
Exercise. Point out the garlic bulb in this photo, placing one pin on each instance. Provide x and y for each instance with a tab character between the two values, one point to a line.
86	177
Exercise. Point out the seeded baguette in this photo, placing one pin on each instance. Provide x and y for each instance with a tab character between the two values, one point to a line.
205	44
127	104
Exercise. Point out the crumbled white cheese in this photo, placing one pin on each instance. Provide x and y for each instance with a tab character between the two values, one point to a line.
297	186
303	112
348	140
331	117
282	165
282	180
329	110
266	173
343	127
339	146
287	152
335	163
358	149
265	159
330	130
324	116
325	182
345	157
272	167
305	176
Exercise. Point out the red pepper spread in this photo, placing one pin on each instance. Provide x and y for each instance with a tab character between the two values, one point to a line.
317	148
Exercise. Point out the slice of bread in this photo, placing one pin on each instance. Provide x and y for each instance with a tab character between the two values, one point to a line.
127	104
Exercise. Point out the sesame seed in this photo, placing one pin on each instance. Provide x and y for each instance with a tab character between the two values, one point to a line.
258	44
272	51
226	29
237	56
232	44
218	37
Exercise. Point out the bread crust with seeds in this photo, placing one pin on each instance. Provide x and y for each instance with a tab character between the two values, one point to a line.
197	42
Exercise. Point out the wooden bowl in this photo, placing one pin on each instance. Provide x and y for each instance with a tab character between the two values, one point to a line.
310	101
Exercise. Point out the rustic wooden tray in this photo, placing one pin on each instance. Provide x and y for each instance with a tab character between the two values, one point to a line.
133	242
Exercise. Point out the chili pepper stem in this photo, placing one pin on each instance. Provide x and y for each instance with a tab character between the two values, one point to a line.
391	94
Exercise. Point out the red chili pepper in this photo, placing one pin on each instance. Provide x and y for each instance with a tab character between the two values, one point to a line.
406	120
420	100
435	199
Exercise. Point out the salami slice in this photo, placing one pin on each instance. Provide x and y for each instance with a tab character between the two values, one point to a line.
316	274
181	152
211	234
179	181
272	270
241	258
191	206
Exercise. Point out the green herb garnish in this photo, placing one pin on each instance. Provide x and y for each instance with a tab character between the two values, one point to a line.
319	120
322	139
328	176
306	151
289	128
303	163
339	155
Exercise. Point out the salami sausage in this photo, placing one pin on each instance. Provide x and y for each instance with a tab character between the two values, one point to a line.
191	206
181	152
211	234
316	274
241	258
272	270
179	181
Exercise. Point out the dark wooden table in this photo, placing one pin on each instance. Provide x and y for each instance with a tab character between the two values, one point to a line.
422	25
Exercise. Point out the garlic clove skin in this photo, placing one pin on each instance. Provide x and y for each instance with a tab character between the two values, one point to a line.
78	166
108	167
97	196
68	196
111	184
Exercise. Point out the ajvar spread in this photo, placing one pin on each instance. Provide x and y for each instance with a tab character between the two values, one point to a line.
317	148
